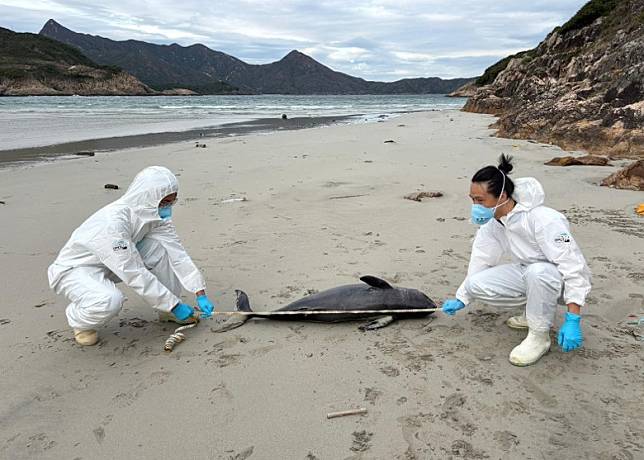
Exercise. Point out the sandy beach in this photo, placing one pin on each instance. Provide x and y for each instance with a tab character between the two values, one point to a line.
323	206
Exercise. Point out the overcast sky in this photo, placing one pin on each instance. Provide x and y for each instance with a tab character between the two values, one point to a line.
377	40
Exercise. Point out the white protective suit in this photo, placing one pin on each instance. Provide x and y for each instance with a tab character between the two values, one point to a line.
544	257
125	241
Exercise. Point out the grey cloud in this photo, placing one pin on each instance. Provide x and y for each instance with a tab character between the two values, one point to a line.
376	39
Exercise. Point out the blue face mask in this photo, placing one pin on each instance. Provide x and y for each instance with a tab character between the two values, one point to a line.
165	212
481	215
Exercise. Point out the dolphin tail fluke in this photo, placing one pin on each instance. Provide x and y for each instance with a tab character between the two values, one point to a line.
243	304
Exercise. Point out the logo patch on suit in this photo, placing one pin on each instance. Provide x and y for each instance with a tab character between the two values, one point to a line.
562	238
119	245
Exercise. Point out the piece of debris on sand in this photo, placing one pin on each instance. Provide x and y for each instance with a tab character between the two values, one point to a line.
587	160
639	209
630	178
234	200
418	196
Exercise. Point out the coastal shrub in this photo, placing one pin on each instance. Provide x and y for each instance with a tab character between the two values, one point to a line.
588	13
216	87
491	72
111	69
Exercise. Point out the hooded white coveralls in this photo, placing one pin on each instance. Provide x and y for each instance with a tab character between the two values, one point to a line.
125	241
544	257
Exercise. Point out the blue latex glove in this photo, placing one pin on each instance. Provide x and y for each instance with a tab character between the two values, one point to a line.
205	305
570	336
451	306
183	311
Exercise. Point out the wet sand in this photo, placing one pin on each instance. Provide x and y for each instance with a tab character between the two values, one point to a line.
324	206
10	157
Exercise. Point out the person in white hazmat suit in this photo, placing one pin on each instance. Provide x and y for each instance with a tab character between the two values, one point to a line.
546	262
132	240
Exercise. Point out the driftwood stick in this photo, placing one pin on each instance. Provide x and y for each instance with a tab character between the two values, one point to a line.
344	413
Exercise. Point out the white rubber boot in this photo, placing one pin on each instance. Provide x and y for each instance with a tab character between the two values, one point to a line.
168	316
86	337
517	322
533	347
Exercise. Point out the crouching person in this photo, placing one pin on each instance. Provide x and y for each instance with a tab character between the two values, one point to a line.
131	240
546	262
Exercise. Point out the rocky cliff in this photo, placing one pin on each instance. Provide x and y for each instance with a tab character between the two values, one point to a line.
34	65
580	88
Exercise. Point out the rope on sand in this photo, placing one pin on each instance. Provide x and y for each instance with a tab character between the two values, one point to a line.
177	337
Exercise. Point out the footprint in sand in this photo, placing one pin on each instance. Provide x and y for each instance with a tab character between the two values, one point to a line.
390	371
220	391
506	439
361	441
126	398
371	395
464	449
226	360
243	455
99	434
39	443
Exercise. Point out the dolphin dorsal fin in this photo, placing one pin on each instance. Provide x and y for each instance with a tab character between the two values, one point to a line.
375	282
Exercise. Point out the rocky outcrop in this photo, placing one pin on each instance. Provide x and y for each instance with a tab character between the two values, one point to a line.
580	88
631	177
82	81
178	92
467	90
34	65
587	160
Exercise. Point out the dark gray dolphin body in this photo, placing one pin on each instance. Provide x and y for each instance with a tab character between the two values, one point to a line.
375	294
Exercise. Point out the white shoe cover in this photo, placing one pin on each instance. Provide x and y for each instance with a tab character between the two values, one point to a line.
533	347
86	337
517	322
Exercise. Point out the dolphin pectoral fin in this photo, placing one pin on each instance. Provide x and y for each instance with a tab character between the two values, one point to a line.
375	282
377	323
227	324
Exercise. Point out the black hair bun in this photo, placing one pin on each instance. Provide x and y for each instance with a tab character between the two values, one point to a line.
505	163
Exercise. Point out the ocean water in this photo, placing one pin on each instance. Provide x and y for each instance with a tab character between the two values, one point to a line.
46	120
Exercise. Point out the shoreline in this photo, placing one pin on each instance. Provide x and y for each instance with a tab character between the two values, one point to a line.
78	149
69	150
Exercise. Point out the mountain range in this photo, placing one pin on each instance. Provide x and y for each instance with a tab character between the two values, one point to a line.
206	71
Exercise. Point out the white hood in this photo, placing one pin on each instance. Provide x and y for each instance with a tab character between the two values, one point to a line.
528	192
147	189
